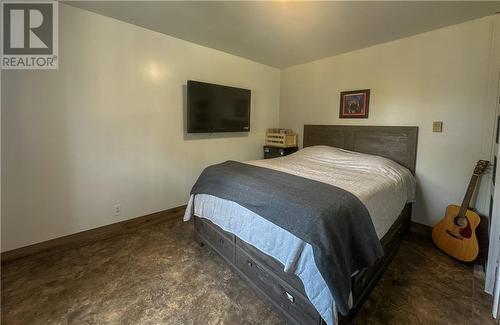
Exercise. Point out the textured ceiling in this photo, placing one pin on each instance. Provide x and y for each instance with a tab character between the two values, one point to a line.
286	33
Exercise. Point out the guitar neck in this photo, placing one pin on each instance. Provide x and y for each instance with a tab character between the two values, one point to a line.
468	195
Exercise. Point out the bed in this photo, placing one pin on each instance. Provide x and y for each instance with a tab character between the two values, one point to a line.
279	267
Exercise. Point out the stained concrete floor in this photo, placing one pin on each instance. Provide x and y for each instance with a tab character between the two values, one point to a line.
159	275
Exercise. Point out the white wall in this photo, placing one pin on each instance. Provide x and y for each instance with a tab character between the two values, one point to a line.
436	76
107	127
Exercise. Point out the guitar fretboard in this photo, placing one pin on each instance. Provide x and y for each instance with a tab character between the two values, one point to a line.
468	195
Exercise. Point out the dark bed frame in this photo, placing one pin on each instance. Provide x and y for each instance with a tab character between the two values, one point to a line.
284	291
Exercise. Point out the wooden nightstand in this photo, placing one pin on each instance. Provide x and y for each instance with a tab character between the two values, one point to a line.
274	152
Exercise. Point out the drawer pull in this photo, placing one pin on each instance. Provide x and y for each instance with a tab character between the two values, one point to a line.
289	297
249	263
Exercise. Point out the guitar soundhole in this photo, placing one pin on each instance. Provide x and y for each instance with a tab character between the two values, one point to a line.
465	229
460	221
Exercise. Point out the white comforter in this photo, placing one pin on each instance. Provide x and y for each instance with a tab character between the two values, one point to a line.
381	184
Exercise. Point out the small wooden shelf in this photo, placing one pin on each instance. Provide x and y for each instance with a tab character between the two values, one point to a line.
282	140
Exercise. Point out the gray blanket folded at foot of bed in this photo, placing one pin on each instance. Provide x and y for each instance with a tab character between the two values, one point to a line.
333	221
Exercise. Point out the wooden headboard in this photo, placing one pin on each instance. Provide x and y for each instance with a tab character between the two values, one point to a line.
398	143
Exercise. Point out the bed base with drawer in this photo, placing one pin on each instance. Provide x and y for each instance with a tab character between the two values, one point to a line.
283	291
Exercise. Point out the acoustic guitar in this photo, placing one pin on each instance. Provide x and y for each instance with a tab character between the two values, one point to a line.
456	233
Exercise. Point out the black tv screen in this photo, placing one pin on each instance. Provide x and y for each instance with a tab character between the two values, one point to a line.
216	108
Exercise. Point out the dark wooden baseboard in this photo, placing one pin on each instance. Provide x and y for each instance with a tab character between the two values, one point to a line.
421	229
90	236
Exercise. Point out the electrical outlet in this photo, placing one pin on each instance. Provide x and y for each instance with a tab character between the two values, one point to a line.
117	209
437	126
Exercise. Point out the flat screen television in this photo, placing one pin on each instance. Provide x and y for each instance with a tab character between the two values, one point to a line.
216	108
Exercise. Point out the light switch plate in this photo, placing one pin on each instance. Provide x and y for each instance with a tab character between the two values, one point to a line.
437	126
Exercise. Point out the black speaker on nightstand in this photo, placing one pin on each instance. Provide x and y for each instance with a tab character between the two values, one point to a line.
275	152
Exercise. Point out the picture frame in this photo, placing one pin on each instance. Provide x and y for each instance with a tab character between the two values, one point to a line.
354	103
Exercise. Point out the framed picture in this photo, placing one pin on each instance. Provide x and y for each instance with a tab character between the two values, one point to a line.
354	103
